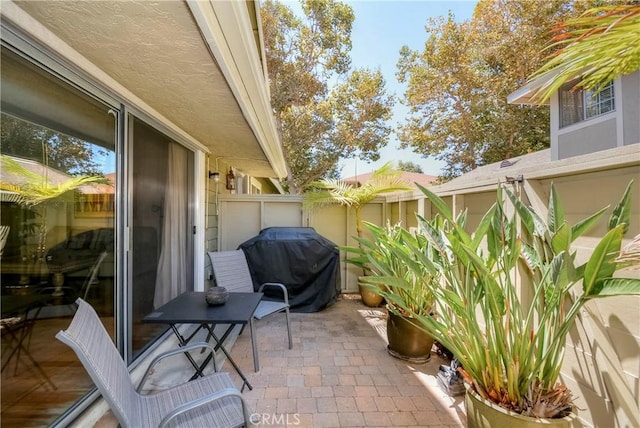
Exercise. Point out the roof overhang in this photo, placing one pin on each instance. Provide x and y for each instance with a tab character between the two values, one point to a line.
197	66
525	95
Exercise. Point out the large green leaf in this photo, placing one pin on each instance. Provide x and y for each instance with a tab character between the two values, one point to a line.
432	233
531	257
532	222
555	216
618	287
601	264
561	240
483	227
437	202
350	249
584	225
511	244
491	287
622	211
562	274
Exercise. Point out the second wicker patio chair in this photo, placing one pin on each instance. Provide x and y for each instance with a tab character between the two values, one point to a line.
232	272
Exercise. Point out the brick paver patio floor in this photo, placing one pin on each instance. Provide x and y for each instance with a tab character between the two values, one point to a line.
338	374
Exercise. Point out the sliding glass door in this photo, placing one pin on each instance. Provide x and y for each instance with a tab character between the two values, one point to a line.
69	194
162	224
57	240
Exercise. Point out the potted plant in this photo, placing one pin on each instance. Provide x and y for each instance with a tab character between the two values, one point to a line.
394	256
512	348
385	179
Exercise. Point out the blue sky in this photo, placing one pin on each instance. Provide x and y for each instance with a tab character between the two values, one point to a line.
380	29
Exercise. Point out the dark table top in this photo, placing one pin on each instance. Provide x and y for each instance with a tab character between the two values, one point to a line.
191	308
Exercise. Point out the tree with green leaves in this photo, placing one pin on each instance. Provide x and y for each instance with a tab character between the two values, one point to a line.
457	86
62	152
324	110
409	166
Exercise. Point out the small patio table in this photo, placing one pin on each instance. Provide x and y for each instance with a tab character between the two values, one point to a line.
191	308
19	315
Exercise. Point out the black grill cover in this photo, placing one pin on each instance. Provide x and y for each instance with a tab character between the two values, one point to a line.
298	257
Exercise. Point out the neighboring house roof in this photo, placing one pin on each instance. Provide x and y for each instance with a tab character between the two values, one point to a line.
499	171
538	165
410	177
196	67
96	188
53	176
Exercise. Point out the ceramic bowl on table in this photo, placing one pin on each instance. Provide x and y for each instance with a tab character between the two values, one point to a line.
216	296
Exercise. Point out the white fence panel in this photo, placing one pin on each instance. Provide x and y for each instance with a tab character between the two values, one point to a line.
241	217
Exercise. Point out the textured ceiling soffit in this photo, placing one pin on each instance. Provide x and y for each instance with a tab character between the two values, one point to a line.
150	47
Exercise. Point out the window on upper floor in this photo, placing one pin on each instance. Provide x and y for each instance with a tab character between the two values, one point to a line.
577	106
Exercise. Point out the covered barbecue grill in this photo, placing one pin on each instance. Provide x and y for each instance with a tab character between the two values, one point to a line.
307	263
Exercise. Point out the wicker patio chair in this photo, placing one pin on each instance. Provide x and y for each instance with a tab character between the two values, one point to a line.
232	272
210	401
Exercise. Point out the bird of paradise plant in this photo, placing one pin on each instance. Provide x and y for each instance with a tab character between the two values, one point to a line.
396	270
512	349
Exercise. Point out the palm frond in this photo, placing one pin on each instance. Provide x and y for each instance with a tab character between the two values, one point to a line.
385	179
600	45
36	189
386	170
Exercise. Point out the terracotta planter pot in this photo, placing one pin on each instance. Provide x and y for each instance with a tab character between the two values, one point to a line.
370	298
485	414
406	340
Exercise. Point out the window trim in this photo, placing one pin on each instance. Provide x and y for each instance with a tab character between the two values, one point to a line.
584	100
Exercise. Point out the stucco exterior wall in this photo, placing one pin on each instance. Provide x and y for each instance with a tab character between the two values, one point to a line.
588	139
631	108
620	127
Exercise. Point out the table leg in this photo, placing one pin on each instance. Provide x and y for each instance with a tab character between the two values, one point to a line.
183	342
219	345
18	335
254	347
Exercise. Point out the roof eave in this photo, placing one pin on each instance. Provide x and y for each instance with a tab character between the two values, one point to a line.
525	95
226	28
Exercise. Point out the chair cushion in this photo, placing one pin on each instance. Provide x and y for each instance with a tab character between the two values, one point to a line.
267	307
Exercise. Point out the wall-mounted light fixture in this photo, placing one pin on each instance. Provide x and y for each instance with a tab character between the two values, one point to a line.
215	175
231	180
